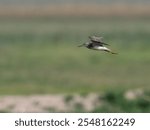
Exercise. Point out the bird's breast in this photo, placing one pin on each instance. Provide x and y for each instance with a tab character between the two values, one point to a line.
99	48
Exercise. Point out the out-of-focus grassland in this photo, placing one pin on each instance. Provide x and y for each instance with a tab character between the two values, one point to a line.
39	56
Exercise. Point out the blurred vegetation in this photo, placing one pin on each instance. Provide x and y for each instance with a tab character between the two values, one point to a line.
41	56
115	101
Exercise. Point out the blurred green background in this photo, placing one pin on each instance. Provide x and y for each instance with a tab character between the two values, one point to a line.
39	53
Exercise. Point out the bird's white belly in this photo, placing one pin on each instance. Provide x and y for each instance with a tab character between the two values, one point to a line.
101	48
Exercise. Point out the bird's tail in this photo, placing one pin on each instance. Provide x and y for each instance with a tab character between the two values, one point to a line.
110	51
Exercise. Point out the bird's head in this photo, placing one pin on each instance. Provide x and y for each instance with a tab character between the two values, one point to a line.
84	44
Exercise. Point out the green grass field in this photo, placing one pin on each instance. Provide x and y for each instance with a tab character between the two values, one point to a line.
41	56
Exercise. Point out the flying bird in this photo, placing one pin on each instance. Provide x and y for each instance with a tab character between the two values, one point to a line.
96	43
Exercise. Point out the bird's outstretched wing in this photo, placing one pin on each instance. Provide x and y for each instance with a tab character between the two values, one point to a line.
97	40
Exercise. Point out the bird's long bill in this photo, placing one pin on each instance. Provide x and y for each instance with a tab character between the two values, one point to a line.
105	44
81	45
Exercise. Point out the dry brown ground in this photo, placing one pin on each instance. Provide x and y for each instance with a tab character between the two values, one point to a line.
60	102
48	103
76	10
